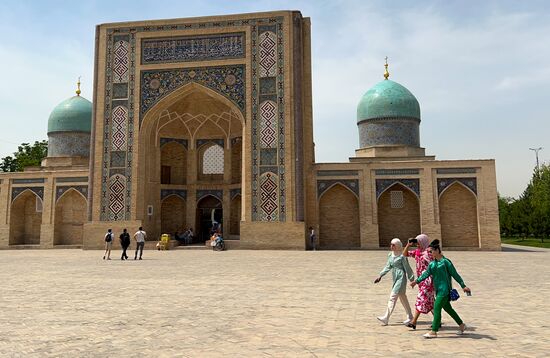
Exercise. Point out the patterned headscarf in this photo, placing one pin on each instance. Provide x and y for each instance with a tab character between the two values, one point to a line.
423	243
398	247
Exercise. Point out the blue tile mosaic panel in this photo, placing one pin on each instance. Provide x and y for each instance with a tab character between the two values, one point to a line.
193	48
444	183
324	185
215	193
228	81
38	190
383	184
60	190
164	193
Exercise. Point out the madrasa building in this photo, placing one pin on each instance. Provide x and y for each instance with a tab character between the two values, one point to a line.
203	120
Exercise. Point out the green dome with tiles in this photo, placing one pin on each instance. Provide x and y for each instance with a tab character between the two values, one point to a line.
71	115
388	99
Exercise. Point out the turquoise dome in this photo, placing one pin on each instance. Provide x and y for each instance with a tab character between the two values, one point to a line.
388	99
72	115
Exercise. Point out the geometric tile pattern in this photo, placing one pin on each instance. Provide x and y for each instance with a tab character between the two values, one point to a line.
268	124
117	188
383	184
337	173
444	183
396	199
119	128
268	197
28	181
38	190
60	190
121	61
324	185
234	192
268	54
164	141
213	160
193	48
389	132
396	171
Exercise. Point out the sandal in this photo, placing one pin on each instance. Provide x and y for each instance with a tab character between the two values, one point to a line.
410	325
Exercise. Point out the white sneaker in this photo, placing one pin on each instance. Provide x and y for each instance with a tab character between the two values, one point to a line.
383	321
407	321
430	335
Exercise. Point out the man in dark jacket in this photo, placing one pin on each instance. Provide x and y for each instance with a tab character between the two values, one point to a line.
124	243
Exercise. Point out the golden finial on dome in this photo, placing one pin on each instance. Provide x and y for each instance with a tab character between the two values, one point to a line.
386	73
78	87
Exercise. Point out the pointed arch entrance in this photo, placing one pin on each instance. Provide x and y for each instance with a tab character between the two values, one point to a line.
339	219
398	214
25	219
70	215
458	217
209	214
189	141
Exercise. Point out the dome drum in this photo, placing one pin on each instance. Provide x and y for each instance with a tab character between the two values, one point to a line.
389	131
68	144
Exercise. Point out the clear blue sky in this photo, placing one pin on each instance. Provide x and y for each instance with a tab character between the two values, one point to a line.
479	69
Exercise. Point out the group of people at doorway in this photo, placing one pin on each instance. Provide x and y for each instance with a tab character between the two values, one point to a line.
434	272
124	238
186	237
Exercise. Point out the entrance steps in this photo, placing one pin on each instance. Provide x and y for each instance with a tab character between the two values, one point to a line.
192	247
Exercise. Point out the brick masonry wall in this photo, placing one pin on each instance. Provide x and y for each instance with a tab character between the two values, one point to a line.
401	223
70	215
458	217
173	210
339	219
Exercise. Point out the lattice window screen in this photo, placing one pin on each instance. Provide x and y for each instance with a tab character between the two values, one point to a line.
396	199
212	160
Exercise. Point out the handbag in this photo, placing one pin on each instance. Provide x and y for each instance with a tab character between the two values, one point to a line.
453	293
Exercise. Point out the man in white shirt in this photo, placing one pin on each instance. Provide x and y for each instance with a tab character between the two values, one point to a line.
140	237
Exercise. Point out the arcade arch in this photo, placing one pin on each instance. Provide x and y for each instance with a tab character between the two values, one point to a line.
398	214
25	219
339	219
458	217
70	215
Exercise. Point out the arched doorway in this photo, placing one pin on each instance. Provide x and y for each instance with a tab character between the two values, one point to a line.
458	217
173	211
25	219
235	217
70	215
209	212
339	219
194	131
398	215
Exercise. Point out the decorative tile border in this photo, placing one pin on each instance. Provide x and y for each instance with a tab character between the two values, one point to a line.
38	190
324	185
28	181
164	141
444	183
456	170
383	184
382	172
337	173
215	193
60	190
164	193
193	48
71	180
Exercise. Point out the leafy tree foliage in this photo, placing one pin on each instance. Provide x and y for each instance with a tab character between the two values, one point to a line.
27	155
529	215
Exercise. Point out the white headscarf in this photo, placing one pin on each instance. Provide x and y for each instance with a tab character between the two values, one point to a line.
398	247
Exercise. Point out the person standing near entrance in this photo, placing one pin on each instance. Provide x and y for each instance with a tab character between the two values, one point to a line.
140	237
312	237
108	244
124	243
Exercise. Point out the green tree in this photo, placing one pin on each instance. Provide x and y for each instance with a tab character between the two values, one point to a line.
27	155
540	202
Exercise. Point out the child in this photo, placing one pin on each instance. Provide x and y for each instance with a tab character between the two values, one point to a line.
401	270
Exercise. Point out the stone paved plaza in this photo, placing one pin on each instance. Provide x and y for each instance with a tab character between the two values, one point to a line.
199	303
